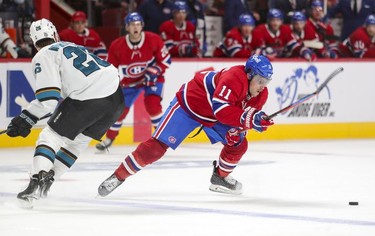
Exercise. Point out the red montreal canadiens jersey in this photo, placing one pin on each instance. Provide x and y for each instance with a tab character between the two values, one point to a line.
133	60
89	39
283	41
213	96
305	34
235	45
359	44
174	38
324	32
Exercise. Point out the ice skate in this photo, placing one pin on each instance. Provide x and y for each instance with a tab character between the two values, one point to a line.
110	184
39	186
105	144
224	184
45	183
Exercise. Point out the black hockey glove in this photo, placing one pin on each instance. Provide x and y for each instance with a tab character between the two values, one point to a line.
21	125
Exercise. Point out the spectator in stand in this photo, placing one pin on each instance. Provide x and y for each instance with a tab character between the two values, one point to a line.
8	48
234	8
195	15
354	13
260	7
289	6
278	40
154	13
79	34
178	33
216	8
239	41
361	43
300	33
324	31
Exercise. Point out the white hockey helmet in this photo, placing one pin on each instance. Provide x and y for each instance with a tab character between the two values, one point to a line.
42	29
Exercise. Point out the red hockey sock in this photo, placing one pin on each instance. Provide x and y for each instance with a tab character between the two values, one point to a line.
145	154
229	158
114	130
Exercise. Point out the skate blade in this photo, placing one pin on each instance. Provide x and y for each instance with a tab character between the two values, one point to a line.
26	204
221	189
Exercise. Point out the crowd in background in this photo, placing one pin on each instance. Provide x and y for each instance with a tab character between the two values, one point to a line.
354	15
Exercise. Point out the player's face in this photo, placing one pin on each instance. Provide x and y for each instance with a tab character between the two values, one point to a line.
257	84
179	16
371	30
317	13
134	29
275	23
79	26
298	25
246	30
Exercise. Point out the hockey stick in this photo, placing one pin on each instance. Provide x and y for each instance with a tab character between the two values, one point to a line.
41	118
23	103
3	132
313	44
307	97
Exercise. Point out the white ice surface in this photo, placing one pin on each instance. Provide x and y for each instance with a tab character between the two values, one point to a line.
290	188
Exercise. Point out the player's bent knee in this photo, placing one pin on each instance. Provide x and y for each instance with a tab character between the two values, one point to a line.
149	151
234	153
153	105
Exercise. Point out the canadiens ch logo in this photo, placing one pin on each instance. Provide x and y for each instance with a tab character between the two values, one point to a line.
300	83
171	139
134	70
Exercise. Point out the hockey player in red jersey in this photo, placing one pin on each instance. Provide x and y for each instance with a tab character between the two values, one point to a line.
239	41
278	40
361	43
79	34
225	104
179	34
298	23
325	32
141	59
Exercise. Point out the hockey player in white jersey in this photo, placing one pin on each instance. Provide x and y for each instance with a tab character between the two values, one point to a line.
91	101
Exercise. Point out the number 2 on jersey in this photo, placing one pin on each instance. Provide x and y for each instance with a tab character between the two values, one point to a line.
81	63
227	93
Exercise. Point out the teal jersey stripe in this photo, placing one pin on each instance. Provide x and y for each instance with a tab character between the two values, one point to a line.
48	94
64	158
42	151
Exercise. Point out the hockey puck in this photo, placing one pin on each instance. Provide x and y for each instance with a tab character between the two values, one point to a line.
353	203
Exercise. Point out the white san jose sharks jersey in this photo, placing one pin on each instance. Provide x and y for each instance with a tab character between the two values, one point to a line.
64	69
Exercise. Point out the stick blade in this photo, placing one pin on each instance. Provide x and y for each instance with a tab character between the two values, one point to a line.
333	74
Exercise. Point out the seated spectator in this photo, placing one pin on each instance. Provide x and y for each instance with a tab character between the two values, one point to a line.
239	41
79	34
216	8
232	9
154	13
289	6
179	34
7	46
361	42
353	12
324	31
278	40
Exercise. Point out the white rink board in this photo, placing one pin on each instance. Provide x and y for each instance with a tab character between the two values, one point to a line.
347	100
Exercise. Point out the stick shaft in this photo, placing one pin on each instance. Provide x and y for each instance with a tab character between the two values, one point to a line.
307	97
